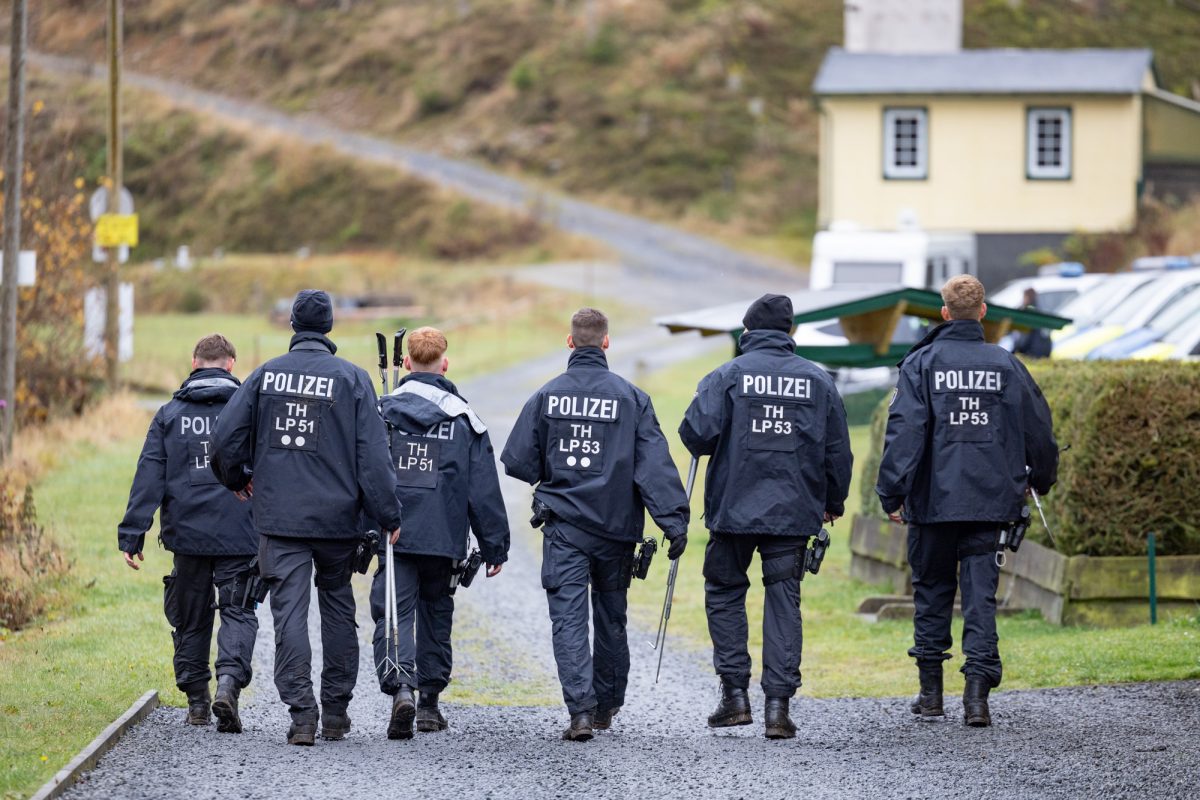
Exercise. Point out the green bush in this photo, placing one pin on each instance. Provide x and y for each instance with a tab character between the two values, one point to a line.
1132	467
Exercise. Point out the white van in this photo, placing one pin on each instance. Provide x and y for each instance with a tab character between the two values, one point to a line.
846	256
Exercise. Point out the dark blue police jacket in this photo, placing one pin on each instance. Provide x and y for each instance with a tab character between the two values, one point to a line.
306	427
775	429
445	472
198	516
965	420
591	444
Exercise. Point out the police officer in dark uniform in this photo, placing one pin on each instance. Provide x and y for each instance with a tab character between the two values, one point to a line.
774	427
304	439
209	532
591	444
447	483
966	422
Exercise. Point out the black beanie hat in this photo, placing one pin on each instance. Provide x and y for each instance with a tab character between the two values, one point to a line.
772	312
312	311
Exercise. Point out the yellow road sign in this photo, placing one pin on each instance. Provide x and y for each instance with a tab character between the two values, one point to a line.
115	230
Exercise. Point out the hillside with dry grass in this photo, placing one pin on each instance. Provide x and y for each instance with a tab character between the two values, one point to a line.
696	111
220	187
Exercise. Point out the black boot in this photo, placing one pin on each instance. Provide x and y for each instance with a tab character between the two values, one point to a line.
429	716
733	708
928	703
975	702
199	702
779	724
404	708
602	720
225	706
580	729
335	726
303	731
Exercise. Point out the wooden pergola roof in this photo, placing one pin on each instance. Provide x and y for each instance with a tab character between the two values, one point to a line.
868	316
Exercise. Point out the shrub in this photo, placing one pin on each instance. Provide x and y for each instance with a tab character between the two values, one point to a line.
603	48
27	561
523	75
1134	434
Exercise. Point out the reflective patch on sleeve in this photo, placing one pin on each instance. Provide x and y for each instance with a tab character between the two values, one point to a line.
895	394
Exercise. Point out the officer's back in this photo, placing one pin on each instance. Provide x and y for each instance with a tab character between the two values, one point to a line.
305	426
982	420
775	428
587	440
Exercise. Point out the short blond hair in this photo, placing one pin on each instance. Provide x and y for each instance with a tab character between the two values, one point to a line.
963	297
426	347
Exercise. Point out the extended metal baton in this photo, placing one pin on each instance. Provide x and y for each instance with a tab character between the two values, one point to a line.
660	640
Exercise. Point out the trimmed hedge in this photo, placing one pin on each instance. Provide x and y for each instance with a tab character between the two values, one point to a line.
1134	459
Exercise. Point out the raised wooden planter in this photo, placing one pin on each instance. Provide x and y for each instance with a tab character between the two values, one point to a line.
1075	590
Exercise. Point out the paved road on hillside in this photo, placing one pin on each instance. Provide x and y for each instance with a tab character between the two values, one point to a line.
696	266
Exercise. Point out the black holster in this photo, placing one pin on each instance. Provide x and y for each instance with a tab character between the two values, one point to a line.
246	590
645	555
368	546
541	514
464	571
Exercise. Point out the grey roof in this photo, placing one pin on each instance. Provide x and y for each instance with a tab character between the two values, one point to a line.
984	72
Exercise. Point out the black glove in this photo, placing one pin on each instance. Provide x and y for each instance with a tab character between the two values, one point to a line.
678	545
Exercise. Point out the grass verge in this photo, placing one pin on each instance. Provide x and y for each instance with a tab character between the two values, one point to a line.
847	655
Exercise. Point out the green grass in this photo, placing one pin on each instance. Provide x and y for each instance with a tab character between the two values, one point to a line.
845	654
490	320
65	679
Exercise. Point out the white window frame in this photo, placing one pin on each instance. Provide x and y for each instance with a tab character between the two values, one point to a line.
905	172
1041	172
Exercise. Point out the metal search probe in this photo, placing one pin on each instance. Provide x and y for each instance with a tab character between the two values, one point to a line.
660	640
1037	501
397	355
381	343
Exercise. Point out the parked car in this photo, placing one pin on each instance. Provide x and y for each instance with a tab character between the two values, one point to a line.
1092	304
1138	308
1053	291
1181	343
1184	307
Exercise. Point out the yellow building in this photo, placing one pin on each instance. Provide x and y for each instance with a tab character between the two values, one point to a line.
1019	147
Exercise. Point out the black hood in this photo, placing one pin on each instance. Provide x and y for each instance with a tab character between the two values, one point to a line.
411	412
765	339
207	385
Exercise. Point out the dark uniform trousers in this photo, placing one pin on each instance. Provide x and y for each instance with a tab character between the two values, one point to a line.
945	557
423	599
190	605
572	561
287	567
726	563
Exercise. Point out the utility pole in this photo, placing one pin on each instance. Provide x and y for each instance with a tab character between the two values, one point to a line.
14	169
112	342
